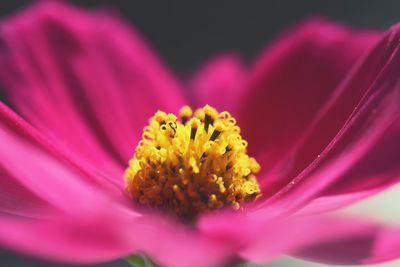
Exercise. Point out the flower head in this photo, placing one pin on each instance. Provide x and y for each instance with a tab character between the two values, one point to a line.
319	110
194	165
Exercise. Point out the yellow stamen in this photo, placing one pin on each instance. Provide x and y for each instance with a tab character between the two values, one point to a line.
192	166
185	112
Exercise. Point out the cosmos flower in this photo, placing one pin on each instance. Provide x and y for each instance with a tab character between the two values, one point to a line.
319	109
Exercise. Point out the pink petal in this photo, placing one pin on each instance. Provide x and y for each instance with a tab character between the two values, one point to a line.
91	82
37	176
46	199
386	246
299	234
365	154
333	202
52	208
289	84
73	240
218	81
378	245
172	244
260	236
16	199
103	236
361	160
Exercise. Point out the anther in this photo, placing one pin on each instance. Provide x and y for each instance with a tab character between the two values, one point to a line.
209	117
193	133
207	121
214	135
199	113
160	117
185	113
217	131
173	127
194	124
171	117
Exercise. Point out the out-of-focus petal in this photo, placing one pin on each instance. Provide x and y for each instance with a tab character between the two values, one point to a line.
103	236
308	233
371	247
75	240
375	246
333	202
16	199
84	79
218	81
173	244
288	86
261	236
365	154
362	159
36	176
386	246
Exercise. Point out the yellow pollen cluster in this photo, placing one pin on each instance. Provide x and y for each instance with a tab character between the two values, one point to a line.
189	166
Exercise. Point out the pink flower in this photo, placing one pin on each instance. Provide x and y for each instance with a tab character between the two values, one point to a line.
319	107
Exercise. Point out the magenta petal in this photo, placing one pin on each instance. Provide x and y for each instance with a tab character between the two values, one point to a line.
36	176
218	81
91	82
16	199
38	185
374	246
97	237
261	236
362	159
386	246
289	84
365	154
172	244
301	233
333	202
76	241
51	207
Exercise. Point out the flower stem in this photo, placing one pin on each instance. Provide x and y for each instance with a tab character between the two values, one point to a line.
139	260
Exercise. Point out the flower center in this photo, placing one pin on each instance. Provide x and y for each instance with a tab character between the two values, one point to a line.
193	165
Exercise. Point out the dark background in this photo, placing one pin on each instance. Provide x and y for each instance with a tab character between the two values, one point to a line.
187	32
